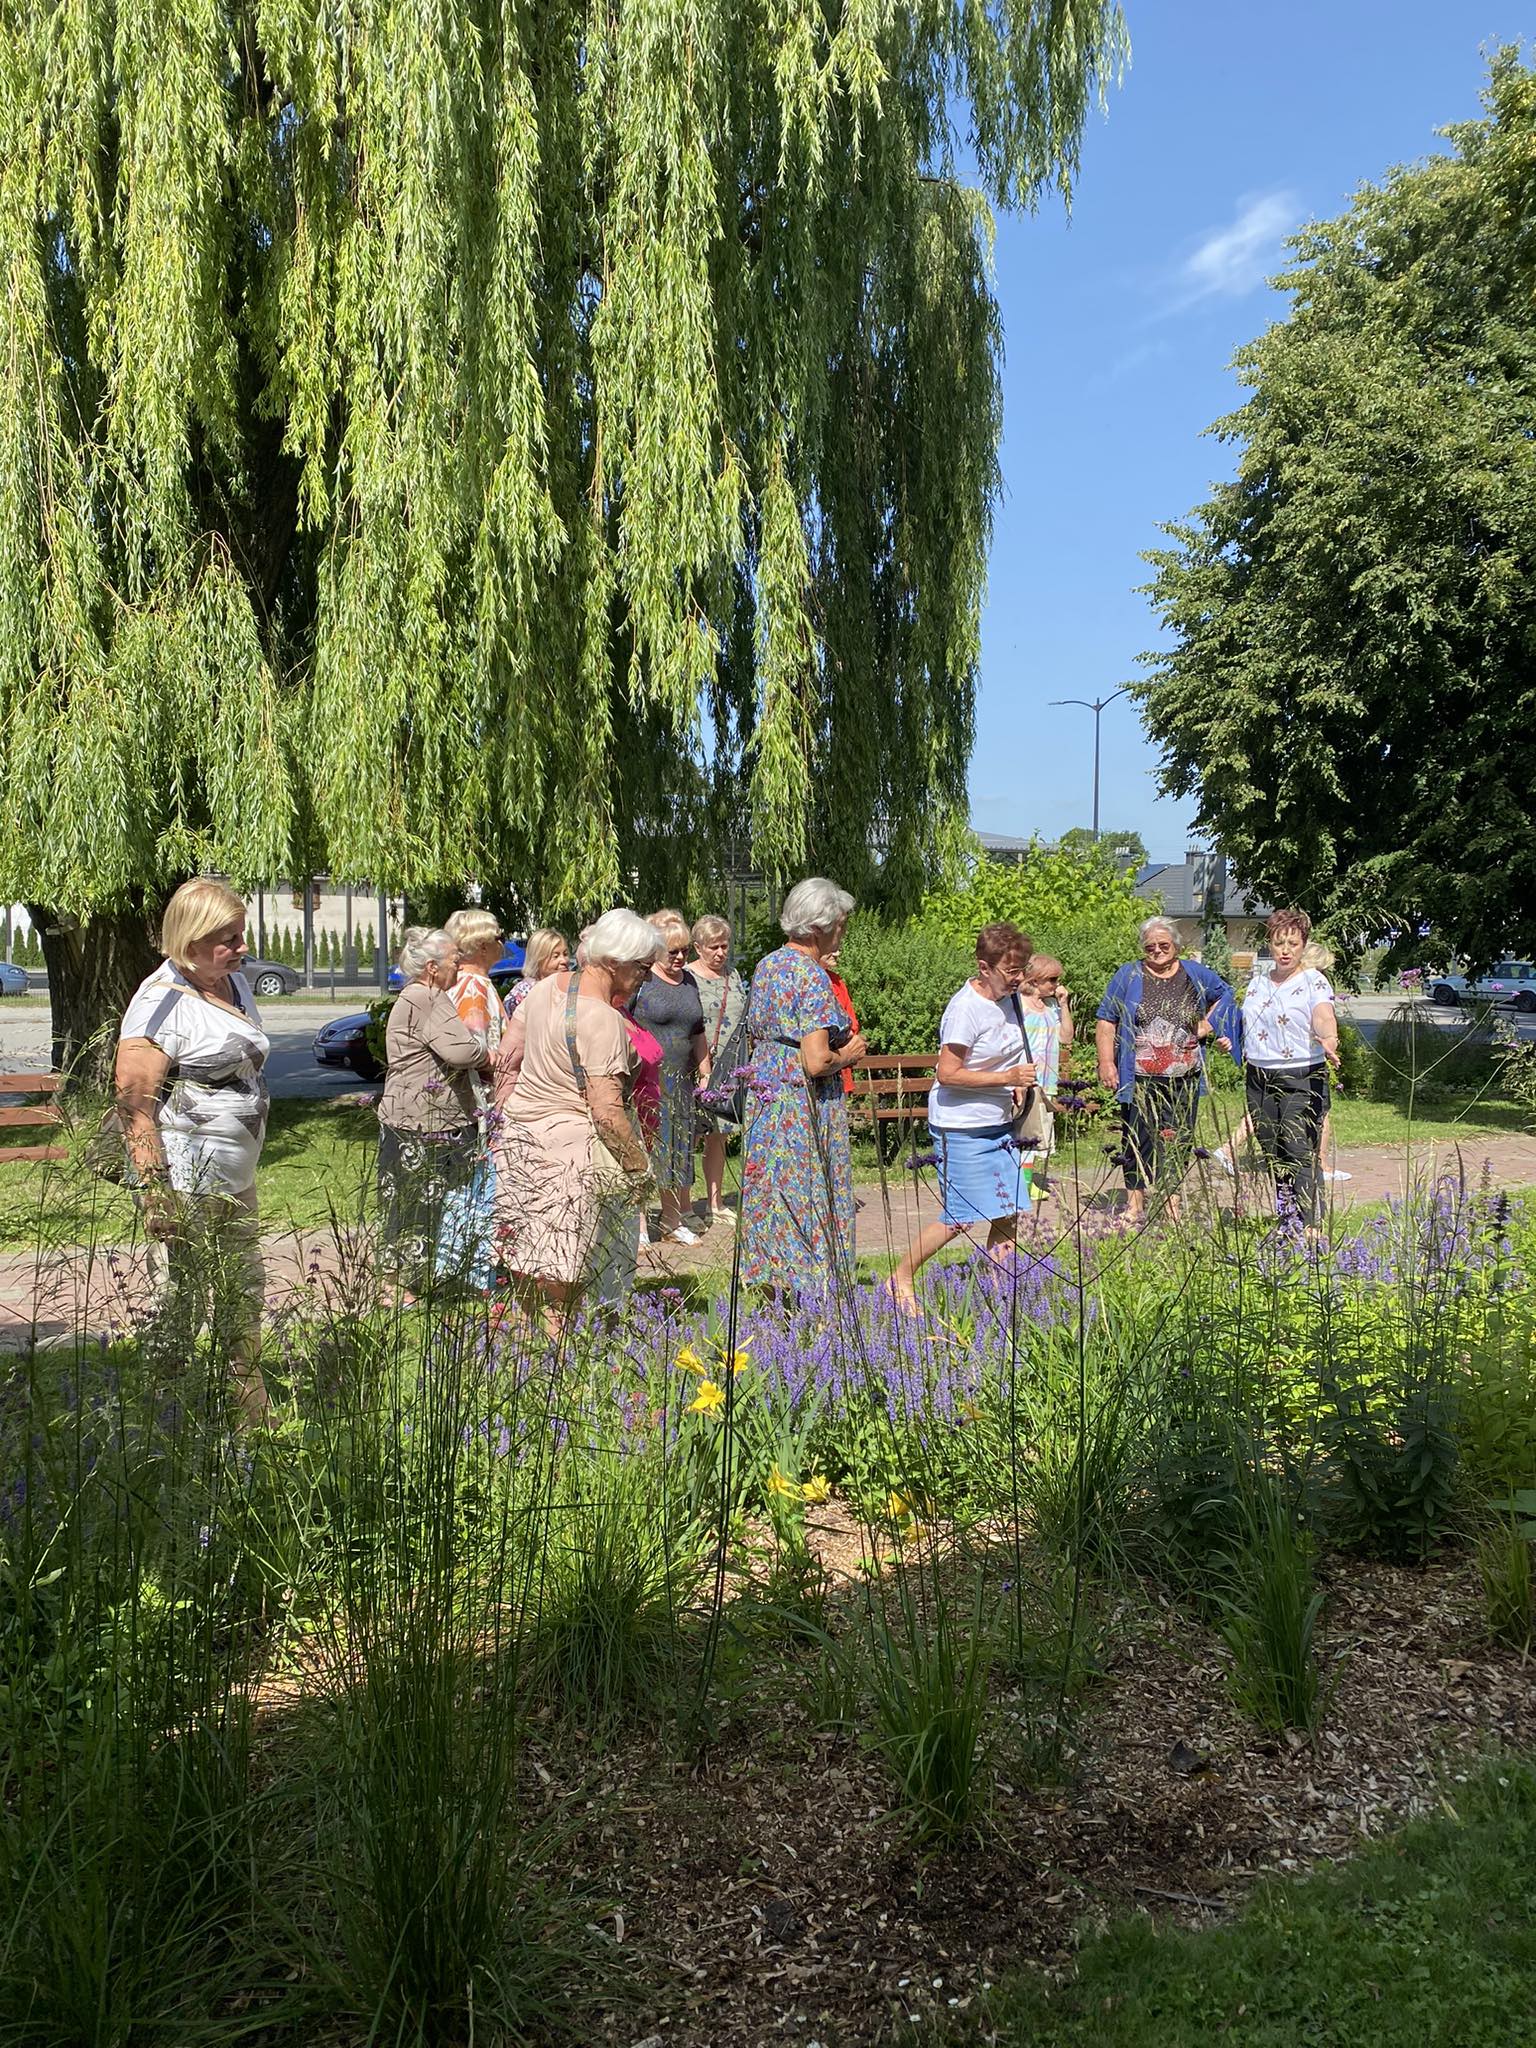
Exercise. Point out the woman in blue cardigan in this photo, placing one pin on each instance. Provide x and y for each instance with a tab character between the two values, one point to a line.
1155	1016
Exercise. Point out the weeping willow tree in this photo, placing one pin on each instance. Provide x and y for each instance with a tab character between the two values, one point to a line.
537	443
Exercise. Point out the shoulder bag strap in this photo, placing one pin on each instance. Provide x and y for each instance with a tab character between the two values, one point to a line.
725	996
577	1068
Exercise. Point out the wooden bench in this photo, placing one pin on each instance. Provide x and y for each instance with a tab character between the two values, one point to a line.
29	1115
892	1085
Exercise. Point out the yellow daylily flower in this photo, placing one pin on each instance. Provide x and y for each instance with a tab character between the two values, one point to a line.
777	1483
688	1360
709	1400
740	1360
818	1487
898	1507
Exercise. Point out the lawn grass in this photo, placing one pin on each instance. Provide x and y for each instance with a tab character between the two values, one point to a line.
1427	1940
1358	1121
318	1161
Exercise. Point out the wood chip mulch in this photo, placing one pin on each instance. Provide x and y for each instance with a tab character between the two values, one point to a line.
769	1896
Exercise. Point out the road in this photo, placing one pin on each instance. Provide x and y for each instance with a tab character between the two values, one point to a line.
290	1024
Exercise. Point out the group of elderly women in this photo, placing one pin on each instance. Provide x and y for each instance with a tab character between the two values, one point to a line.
991	1109
529	1134
593	1094
1157	1016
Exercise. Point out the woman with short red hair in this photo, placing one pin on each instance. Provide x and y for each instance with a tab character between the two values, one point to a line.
983	1064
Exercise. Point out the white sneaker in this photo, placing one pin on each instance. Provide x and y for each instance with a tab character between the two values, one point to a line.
1337	1175
682	1235
1223	1160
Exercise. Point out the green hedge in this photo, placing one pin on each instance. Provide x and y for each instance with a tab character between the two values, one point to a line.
1076	906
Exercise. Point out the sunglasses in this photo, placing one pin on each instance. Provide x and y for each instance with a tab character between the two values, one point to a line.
677	952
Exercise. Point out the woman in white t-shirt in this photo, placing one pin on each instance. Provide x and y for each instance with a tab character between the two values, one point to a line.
982	1065
1290	1039
192	1095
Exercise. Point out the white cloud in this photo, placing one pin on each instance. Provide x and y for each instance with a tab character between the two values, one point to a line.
1230	262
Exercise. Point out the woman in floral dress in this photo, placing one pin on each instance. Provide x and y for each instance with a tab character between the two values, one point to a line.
797	1183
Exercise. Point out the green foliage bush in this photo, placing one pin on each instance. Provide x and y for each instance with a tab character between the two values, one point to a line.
1074	905
1355	1067
900	977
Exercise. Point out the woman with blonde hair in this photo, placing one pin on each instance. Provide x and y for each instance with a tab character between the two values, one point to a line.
191	1092
723	995
667	1004
478	937
469	1220
546	953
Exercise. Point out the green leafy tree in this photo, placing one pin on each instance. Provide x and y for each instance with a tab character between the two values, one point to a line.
486	441
1347	684
1126	849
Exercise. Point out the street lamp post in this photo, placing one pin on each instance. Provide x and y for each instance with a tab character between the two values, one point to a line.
1096	706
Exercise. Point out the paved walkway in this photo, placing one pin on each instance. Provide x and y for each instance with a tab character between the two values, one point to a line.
49	1297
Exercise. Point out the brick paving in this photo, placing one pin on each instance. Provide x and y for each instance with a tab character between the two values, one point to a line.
51	1296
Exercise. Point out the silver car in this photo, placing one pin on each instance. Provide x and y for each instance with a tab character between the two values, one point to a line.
1507	981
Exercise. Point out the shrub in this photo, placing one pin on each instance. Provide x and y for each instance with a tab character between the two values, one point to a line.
1076	906
901	977
1355	1064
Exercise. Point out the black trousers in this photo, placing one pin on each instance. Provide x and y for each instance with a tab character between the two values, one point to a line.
1159	1128
1288	1105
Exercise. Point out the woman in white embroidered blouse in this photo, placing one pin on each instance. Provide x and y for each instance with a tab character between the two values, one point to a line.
192	1096
1290	1039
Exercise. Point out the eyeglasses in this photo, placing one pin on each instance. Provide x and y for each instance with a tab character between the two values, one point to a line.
677	952
1159	946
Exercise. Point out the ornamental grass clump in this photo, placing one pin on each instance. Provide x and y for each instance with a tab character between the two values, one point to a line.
1268	1616
925	1677
128	1822
1506	1568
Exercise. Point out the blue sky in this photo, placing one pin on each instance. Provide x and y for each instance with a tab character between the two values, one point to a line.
1235	122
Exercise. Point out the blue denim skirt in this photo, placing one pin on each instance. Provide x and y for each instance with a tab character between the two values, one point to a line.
980	1177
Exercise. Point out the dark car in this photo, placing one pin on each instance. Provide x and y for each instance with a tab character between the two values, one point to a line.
344	1043
13	979
270	977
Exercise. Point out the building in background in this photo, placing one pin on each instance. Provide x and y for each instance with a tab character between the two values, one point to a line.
1179	889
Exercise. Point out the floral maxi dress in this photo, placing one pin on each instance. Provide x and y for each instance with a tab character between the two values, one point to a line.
797	1184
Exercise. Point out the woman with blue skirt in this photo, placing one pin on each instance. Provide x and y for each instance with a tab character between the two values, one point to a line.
982	1067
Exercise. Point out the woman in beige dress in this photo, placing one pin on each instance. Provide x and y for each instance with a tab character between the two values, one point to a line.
562	1221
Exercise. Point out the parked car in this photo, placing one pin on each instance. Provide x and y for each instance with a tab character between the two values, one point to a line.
13	979
344	1043
270	977
506	969
1507	981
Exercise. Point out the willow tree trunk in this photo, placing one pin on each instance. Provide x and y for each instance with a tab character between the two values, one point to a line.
93	969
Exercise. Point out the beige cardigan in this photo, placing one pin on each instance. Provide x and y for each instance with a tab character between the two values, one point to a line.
432	1055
